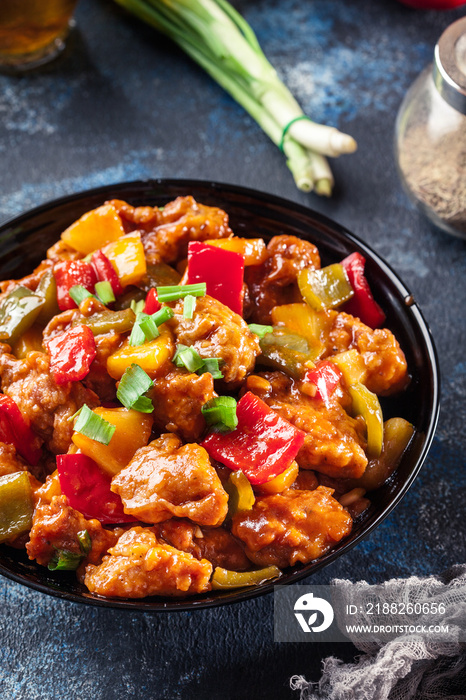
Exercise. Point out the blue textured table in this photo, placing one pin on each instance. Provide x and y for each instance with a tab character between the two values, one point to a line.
123	103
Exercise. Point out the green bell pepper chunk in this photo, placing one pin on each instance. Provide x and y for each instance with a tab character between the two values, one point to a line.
326	288
241	495
47	289
367	405
160	275
16	506
287	352
108	321
18	311
224	579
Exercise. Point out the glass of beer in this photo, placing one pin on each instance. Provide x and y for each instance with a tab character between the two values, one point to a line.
32	32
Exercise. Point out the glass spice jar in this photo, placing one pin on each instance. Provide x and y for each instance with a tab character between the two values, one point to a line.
431	134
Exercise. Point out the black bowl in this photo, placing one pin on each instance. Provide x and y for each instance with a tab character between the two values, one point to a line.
24	241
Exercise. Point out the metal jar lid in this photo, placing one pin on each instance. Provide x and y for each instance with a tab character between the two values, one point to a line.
450	65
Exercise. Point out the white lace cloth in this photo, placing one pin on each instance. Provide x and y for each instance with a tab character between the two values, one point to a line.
418	667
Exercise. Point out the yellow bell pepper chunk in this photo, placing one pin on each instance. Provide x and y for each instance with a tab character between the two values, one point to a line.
397	434
223	579
301	319
253	250
351	365
151	357
326	288
367	405
282	481
133	430
94	229
127	257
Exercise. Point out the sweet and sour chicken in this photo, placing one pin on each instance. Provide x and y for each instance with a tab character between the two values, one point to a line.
182	409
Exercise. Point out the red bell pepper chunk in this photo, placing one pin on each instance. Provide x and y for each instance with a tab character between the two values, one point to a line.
262	445
105	271
152	304
362	304
326	376
14	430
71	354
87	489
221	270
69	273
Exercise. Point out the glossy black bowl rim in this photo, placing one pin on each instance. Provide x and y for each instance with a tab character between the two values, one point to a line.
238	595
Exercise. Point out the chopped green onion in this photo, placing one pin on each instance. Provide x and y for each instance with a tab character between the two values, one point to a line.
187	357
105	292
259	329
138	337
85	542
220	413
174	293
132	387
78	293
146	325
189	306
64	560
162	315
137	306
93	426
211	364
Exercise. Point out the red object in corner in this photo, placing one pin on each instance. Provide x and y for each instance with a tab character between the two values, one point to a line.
262	445
14	430
221	270
362	304
326	376
87	489
152	304
71	354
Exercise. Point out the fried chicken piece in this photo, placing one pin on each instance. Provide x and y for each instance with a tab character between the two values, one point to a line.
216	544
217	331
334	442
274	282
167	479
139	565
293	526
46	405
178	398
56	526
165	234
386	366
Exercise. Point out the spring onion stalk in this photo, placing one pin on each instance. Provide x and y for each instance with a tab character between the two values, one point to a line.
220	40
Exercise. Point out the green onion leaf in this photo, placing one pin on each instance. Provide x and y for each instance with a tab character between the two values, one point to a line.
162	315
105	292
78	293
189	306
211	364
85	542
64	560
148	326
259	329
93	426
174	293
137	306
220	413
187	357
138	337
132	387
